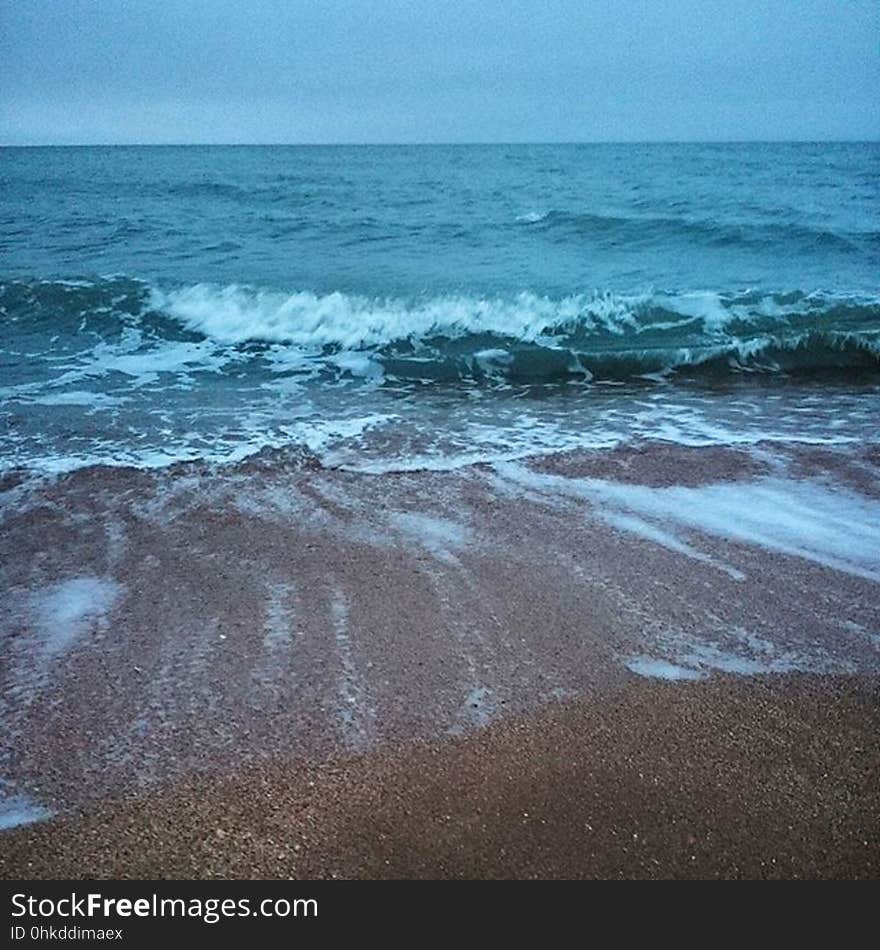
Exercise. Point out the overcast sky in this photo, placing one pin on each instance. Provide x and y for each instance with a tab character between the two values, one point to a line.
129	71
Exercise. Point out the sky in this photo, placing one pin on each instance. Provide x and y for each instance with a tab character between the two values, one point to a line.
400	71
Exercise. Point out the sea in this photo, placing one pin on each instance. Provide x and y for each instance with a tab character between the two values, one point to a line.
428	307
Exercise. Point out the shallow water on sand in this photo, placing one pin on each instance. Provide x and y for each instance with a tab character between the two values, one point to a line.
167	621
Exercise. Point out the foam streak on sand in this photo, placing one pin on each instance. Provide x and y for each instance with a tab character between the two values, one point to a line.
661	669
278	609
831	526
651	532
438	535
277	634
17	810
50	623
358	725
66	610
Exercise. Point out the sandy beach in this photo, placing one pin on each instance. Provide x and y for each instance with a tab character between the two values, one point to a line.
652	661
763	778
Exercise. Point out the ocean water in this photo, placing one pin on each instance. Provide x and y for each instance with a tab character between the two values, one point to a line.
404	307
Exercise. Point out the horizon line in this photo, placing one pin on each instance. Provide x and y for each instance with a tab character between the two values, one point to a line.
436	144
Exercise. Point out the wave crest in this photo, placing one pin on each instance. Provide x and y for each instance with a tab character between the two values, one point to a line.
520	337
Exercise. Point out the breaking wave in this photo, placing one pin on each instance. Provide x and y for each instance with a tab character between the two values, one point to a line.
523	337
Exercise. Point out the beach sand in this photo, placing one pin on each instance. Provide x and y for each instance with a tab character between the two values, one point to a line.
651	661
766	777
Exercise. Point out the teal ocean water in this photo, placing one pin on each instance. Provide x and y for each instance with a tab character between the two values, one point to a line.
403	307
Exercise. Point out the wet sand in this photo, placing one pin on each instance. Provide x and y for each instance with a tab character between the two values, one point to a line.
767	777
455	660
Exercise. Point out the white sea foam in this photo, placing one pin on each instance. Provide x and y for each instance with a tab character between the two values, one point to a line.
440	536
235	314
80	398
358	364
479	706
143	360
828	525
322	437
357	716
660	669
734	651
317	435
65	611
16	810
652	532
704	305
532	217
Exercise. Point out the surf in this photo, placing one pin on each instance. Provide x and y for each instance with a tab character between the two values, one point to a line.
522	337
